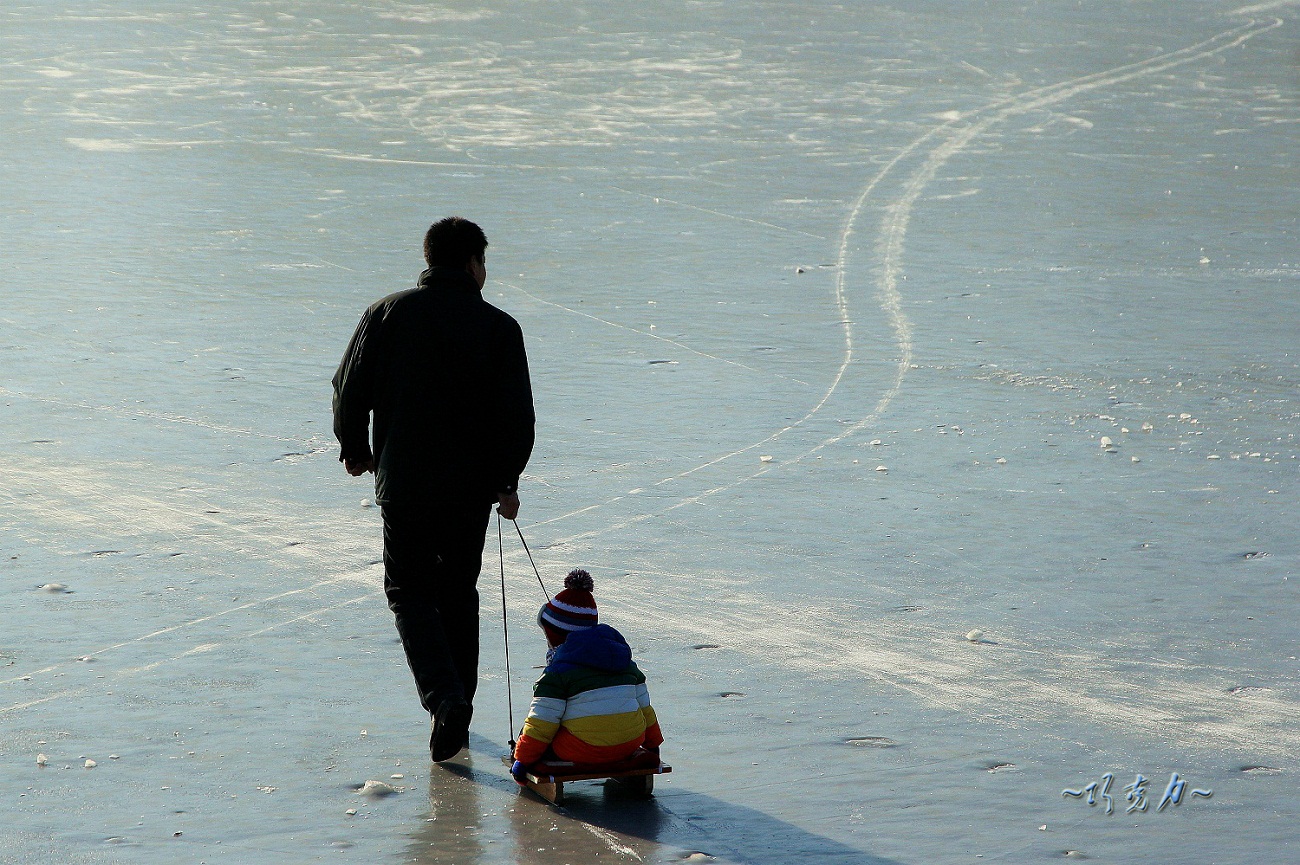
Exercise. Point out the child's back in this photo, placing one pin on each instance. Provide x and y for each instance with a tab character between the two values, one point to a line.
591	704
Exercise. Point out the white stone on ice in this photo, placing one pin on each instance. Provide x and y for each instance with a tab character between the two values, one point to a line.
377	789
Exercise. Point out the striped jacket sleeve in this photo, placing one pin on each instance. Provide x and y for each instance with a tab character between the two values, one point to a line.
653	736
542	723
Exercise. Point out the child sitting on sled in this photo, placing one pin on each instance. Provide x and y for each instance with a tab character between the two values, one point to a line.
591	709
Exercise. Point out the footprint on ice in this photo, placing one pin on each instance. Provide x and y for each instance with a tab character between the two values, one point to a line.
1255	555
1001	767
706	646
377	789
55	589
1261	770
871	742
731	694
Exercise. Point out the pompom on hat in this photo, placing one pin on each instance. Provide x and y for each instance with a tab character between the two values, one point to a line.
573	608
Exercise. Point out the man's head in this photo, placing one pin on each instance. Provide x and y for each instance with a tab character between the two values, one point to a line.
456	242
573	609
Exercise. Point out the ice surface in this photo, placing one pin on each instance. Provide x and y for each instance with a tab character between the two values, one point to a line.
759	251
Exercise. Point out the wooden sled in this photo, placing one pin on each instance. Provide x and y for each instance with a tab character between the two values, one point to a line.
638	782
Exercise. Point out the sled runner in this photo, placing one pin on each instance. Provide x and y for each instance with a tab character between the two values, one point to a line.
548	778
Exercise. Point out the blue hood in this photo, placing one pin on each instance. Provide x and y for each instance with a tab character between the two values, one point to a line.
600	647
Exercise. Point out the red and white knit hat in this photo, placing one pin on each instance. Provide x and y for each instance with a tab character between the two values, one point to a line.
573	608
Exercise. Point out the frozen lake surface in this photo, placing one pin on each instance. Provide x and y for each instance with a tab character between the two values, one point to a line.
855	329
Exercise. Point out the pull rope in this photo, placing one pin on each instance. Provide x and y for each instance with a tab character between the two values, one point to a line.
530	557
505	629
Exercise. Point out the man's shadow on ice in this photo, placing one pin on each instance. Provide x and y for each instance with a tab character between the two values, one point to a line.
597	819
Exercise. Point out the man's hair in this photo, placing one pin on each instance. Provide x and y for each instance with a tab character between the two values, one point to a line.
452	242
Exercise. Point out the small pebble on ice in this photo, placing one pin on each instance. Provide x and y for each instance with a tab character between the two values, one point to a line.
367	503
1001	461
1204	260
377	789
114	757
42	760
1042	828
975	636
1147	427
1106	442
1135	459
876	442
766	458
1214	457
351	812
90	764
882	469
1123	429
54	588
397	777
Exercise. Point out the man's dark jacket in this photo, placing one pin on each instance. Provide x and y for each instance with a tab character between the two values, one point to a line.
446	376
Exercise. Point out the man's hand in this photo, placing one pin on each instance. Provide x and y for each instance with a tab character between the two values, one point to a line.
357	469
508	505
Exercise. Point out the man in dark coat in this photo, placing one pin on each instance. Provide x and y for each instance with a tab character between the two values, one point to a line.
445	375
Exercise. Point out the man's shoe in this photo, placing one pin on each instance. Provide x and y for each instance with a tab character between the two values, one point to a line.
450	729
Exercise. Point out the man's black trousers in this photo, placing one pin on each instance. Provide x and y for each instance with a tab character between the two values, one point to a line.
432	557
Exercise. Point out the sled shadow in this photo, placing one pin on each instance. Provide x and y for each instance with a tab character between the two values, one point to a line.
598	819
